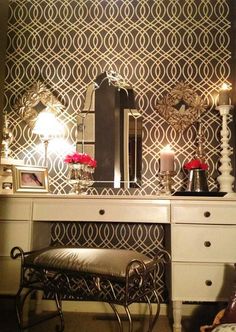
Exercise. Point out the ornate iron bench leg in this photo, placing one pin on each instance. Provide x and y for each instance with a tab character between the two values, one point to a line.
19	303
153	320
129	318
59	309
26	288
117	316
150	314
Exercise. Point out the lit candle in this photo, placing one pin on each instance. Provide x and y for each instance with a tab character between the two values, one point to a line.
167	159
224	95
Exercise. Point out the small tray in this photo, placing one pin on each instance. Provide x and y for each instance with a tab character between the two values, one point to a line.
205	194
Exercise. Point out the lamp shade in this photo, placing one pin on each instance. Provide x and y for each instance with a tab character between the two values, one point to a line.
47	125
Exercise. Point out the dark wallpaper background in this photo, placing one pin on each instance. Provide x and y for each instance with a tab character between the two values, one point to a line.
154	45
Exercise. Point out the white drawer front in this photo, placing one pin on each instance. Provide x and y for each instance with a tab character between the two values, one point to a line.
218	212
15	209
9	275
101	210
14	234
202	282
203	243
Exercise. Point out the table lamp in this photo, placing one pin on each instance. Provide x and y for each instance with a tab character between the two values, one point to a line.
47	126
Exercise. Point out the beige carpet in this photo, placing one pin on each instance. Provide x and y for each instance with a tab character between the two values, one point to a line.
76	322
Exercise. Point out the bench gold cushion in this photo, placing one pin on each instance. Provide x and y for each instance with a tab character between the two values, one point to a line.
112	262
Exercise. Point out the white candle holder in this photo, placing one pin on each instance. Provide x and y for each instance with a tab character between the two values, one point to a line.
225	180
166	181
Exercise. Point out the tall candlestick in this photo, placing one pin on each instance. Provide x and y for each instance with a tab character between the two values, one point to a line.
224	95
167	156
225	179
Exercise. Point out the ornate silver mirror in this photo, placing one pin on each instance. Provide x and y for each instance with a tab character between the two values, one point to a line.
110	130
38	98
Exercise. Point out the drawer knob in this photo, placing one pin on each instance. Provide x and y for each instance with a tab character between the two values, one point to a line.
207	214
207	243
208	282
101	212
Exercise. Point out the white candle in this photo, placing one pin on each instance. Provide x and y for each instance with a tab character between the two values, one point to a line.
167	157
224	95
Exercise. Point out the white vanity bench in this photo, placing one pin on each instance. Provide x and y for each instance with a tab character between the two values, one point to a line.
200	235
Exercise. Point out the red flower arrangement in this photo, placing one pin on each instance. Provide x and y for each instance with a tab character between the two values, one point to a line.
80	158
195	164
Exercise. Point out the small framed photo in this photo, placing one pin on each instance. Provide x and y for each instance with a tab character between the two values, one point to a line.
30	179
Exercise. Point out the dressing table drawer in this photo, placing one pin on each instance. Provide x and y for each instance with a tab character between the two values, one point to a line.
207	212
15	209
9	275
203	243
101	210
14	233
202	282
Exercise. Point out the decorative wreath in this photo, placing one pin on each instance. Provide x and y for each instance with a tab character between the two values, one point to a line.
181	107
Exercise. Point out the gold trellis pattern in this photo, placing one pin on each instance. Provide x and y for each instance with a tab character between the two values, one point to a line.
153	44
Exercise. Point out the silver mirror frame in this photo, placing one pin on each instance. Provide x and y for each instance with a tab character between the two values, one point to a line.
27	104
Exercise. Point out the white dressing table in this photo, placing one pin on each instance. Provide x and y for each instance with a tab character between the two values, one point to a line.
200	237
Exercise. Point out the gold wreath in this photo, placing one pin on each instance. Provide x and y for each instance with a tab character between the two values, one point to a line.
181	118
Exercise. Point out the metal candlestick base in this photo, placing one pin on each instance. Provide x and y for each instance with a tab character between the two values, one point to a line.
166	181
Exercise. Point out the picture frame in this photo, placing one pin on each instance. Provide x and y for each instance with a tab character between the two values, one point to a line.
30	179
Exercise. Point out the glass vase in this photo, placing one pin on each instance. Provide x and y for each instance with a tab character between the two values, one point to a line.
80	177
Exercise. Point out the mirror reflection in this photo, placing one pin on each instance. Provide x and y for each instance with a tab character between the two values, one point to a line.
110	130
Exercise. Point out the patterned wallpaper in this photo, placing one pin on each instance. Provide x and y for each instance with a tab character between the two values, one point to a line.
153	44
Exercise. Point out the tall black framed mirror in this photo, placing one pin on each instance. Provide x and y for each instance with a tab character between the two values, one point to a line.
110	129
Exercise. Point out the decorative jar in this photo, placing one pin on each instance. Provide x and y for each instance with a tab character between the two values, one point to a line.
197	175
80	176
197	180
81	169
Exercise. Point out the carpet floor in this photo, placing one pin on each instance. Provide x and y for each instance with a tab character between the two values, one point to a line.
77	322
